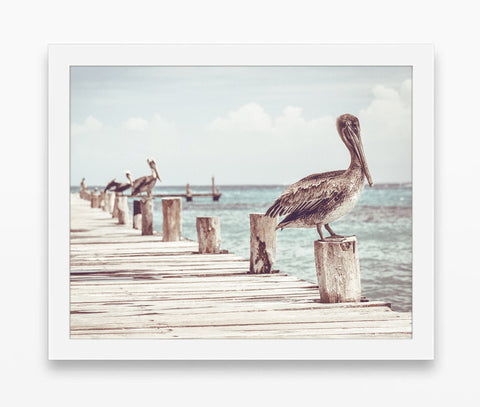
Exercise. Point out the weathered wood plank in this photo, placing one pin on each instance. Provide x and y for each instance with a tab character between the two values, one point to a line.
206	306
166	320
344	329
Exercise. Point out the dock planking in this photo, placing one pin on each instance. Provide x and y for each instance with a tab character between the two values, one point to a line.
125	285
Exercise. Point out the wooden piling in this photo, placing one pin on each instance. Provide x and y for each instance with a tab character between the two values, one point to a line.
188	195
115	206
172	219
123	210
137	214
146	208
94	200
109	201
103	201
263	243
215	192
338	269
208	233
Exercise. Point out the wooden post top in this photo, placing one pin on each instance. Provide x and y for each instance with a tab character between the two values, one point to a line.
207	217
337	240
338	269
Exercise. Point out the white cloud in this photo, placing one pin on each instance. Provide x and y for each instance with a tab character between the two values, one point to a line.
291	146
386	128
112	149
89	125
136	124
250	118
248	144
250	123
284	147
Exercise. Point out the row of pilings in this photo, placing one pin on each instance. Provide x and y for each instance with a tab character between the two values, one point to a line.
336	260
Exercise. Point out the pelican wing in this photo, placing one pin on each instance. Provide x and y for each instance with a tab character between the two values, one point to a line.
122	187
315	193
111	185
138	184
143	184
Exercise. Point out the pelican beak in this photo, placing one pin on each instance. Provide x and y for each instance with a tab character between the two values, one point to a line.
356	141
153	166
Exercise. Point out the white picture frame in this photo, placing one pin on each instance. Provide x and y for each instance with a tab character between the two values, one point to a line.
419	57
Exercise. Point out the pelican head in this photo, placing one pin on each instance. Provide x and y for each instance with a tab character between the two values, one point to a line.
348	128
129	176
153	166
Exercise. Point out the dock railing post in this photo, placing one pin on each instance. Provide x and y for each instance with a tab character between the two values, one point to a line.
146	209
115	206
189	194
123	210
208	233
94	199
215	192
263	243
137	214
103	201
109	201
172	219
338	270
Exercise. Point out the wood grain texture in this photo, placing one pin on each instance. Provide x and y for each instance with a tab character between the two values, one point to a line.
338	269
146	209
263	243
125	285
115	206
172	219
94	200
109	201
137	215
123	215
208	234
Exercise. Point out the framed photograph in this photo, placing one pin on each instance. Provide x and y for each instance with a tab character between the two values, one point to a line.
241	202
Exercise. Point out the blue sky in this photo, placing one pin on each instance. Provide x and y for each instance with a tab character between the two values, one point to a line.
252	125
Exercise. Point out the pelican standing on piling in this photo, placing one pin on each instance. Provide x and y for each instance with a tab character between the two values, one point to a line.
146	183
119	186
319	199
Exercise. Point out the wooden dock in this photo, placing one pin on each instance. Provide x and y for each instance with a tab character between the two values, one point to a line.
124	285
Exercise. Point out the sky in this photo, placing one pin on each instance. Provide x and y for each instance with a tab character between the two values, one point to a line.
243	125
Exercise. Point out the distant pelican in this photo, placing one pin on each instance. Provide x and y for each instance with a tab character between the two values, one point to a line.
119	186
146	183
319	199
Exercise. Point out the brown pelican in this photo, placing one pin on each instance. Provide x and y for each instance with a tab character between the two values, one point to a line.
319	199
119	186
146	183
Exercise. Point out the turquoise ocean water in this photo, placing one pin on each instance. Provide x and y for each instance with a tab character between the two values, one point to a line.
382	222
